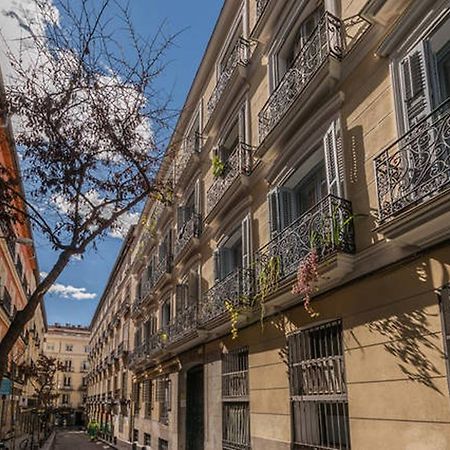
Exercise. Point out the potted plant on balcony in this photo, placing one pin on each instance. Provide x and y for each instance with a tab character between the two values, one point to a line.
218	166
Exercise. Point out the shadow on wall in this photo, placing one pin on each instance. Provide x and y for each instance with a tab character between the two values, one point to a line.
410	339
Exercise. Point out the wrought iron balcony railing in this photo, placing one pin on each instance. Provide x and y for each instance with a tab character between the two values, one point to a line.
192	146
415	168
235	289
190	229
240	55
260	7
184	323
326	41
163	267
327	228
239	162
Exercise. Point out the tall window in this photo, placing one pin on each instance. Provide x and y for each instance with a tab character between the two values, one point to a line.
235	400
136	397
69	347
318	390
148	398
163	397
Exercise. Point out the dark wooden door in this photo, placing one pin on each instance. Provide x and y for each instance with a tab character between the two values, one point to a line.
194	409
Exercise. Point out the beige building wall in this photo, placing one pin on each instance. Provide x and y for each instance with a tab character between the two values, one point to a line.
384	277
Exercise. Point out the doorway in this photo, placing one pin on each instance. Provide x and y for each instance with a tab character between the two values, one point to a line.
195	409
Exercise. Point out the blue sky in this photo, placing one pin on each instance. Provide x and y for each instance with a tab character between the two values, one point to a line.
86	278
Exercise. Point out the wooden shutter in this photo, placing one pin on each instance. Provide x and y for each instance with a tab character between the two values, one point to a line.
197	198
280	209
181	293
415	86
180	218
217	270
246	241
331	149
193	288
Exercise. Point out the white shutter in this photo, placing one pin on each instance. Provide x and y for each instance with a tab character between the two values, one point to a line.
274	219
415	86
197	197
280	209
246	241
217	268
331	149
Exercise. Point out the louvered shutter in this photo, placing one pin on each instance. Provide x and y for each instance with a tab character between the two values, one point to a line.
217	269
331	149
226	262
246	241
274	219
180	218
194	287
415	85
285	205
181	297
197	198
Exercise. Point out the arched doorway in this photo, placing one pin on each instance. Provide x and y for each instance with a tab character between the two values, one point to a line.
194	409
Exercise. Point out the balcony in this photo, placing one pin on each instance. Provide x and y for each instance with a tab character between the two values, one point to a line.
239	56
234	289
122	348
327	42
326	228
240	163
413	182
261	7
148	350
183	325
190	231
163	268
186	157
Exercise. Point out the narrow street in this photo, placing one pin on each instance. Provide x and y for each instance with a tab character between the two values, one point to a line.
77	440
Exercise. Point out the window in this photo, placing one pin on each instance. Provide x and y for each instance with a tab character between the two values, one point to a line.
163	397
315	178
65	399
51	347
136	398
85	365
7	302
297	38
67	381
165	314
148	398
135	435
147	439
424	75
235	401
69	347
124	385
445	315
163	444
319	404
68	365
84	381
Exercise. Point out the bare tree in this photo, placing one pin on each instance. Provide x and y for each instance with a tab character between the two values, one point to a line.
92	122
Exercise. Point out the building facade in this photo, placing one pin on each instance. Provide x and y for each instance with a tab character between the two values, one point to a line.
19	275
290	290
69	344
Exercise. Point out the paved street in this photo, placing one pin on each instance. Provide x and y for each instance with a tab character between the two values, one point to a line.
77	440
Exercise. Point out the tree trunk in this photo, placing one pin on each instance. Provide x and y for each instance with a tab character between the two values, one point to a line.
22	317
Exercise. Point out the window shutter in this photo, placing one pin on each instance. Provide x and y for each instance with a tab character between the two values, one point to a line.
181	297
415	86
246	241
226	262
180	218
274	219
197	198
193	288
332	164
285	205
217	269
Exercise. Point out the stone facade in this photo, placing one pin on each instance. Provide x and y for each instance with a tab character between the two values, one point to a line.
312	151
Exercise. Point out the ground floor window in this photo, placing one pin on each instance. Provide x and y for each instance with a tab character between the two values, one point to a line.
135	435
147	439
235	400
163	444
163	398
318	390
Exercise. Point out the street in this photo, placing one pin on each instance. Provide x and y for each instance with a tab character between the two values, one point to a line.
76	440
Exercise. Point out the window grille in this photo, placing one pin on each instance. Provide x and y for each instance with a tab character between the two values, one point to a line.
318	389
147	439
135	435
163	396
136	397
148	398
235	401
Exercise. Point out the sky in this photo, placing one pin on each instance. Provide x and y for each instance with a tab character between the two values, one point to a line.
74	297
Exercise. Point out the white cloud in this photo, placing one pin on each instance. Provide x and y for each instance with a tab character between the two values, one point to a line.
68	291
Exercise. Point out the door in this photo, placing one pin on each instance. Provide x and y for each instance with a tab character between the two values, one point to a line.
194	409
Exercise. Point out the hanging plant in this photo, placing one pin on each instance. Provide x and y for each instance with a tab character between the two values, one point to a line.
234	316
307	277
218	166
268	278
